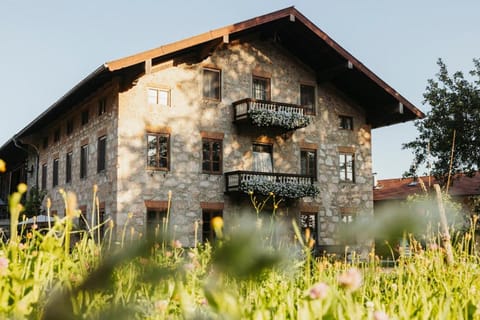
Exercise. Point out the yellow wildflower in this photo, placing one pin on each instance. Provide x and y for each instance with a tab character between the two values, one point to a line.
3	166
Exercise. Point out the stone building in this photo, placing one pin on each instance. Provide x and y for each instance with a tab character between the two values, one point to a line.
267	104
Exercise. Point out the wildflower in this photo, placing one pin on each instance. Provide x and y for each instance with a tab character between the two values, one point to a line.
319	291
351	279
3	265
217	224
369	304
35	226
380	315
189	266
250	192
130	215
22	187
95	188
191	255
168	254
49	203
3	166
161	305
177	244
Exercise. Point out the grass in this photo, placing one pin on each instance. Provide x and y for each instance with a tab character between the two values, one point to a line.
241	277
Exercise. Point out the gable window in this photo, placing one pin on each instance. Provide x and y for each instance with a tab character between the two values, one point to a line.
208	233
68	167
308	224
156	222
307	98
69	127
56	135
45	142
346	122
260	88
211	84
101	153
159	96
44	176
158	151
85	117
262	158
308	162
347	167
83	161
55	173
102	106
211	155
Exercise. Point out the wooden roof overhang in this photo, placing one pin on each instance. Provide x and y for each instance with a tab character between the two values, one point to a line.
290	29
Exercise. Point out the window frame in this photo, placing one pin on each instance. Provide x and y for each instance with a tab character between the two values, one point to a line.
210	160
267	90
68	167
207	92
102	154
308	110
314	232
264	148
84	161
102	106
160	215
70	127
157	92
56	135
44	176
84	117
306	151
55	167
158	158
345	122
208	233
343	169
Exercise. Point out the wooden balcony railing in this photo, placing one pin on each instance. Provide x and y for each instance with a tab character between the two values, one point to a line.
281	184
287	115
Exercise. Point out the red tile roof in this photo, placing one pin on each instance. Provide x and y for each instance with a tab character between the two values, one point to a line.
398	189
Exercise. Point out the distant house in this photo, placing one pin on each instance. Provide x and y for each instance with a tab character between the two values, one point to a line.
267	104
389	191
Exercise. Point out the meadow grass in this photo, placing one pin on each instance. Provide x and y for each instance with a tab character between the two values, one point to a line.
240	276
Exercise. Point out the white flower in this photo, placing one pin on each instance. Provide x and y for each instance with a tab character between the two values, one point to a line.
350	279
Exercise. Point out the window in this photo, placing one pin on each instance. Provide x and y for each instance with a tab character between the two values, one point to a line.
308	221
102	106
262	158
211	84
56	135
55	173
346	122
307	98
347	167
211	156
69	127
68	167
260	88
83	161
308	162
85	117
44	176
348	216
101	153
156	222
208	234
159	96
82	219
98	221
158	151
45	142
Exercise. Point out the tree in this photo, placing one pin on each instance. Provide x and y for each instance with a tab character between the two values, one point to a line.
455	112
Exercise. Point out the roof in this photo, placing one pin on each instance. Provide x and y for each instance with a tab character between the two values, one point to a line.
401	188
292	30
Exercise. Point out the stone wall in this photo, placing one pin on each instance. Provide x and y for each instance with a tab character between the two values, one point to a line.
189	115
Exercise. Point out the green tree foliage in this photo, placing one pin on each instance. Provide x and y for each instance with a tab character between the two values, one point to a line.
455	107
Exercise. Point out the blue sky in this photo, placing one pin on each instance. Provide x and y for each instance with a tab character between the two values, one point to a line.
49	46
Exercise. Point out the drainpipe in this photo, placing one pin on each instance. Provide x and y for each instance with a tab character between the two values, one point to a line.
37	154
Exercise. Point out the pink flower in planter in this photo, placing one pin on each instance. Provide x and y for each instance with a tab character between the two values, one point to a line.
350	279
319	291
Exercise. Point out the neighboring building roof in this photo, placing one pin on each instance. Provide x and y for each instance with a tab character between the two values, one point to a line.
292	30
400	189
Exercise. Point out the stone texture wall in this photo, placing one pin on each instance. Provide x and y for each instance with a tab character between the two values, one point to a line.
97	126
189	115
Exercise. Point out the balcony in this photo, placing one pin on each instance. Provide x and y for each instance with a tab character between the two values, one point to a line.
263	113
292	186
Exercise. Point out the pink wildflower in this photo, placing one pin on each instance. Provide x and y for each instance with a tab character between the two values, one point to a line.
177	244
3	264
351	279
380	315
319	291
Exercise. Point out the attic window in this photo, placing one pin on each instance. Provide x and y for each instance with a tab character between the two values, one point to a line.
211	84
345	123
84	117
159	96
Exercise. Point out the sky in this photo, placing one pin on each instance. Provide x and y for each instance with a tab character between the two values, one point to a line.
47	47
